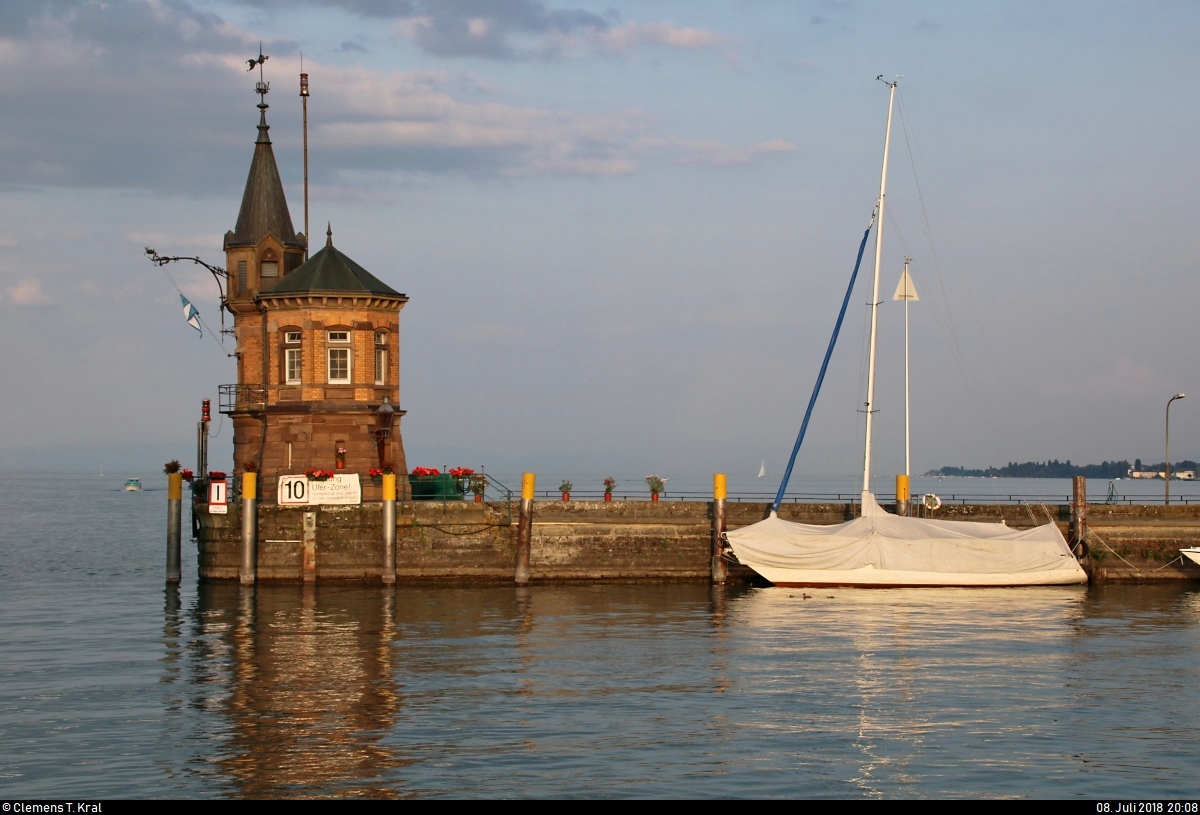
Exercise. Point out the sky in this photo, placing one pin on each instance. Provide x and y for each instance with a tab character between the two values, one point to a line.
625	228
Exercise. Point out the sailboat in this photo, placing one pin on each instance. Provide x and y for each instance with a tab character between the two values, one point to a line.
762	469
879	549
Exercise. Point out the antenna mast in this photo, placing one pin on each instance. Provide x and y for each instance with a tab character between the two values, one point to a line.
304	103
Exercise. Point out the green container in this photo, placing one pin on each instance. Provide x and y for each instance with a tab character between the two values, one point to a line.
436	487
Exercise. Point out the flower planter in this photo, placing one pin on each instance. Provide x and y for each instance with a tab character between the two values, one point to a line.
479	498
608	496
435	487
654	497
566	496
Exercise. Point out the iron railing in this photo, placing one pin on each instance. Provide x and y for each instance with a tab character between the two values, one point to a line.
236	398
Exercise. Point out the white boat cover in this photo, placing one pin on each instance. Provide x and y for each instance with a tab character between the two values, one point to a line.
881	549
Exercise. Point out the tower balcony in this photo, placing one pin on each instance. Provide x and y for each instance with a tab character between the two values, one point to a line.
240	398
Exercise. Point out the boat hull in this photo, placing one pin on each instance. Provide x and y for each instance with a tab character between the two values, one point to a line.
1191	554
870	577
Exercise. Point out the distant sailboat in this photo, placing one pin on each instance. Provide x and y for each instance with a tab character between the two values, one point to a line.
762	469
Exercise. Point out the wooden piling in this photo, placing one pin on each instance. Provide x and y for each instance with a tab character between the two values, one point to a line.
1078	527
902	495
174	521
389	528
720	492
309	555
248	571
525	528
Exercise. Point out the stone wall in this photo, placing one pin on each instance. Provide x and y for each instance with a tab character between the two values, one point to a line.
628	540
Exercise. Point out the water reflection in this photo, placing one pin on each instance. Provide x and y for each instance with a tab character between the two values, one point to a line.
310	691
293	691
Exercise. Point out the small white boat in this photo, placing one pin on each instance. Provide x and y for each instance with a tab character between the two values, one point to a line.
133	484
1192	554
762	469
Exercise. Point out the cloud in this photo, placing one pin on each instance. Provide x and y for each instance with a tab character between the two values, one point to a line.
1125	379
632	35
154	95
487	332
27	292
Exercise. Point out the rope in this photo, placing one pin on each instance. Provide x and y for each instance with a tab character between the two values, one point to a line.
1093	533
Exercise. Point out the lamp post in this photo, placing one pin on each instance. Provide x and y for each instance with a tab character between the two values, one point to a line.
1167	452
386	415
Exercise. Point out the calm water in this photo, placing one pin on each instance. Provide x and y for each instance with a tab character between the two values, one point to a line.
111	686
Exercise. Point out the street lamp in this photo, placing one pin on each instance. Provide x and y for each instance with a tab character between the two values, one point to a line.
386	415
1167	452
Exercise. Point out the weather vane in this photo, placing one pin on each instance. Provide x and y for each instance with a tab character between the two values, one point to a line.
262	87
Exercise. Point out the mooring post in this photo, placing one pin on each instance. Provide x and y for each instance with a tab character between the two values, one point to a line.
389	527
308	562
248	571
525	528
718	528
902	495
1079	515
174	519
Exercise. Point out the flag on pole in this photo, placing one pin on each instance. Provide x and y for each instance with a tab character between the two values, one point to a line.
191	315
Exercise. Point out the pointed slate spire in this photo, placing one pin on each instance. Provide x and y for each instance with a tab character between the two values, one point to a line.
264	207
328	233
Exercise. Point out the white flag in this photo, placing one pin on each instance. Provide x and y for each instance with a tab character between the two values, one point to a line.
191	315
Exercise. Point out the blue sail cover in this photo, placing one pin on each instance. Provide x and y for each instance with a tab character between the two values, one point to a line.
787	474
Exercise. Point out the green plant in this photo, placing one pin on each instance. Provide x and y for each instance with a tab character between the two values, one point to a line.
565	486
171	466
656	484
478	484
610	484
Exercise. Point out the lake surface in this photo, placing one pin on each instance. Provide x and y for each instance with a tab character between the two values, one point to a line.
111	686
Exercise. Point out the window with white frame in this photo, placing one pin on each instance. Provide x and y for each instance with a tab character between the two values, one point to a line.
338	350
292	359
381	370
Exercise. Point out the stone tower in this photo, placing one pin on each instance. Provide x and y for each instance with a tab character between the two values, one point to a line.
318	346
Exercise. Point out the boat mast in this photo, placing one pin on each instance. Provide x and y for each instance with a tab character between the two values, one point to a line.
907	297
870	403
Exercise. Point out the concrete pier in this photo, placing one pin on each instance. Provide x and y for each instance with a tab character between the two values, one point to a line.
464	541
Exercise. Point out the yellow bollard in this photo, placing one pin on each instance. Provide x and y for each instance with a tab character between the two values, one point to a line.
174	519
718	529
248	572
525	528
389	528
902	495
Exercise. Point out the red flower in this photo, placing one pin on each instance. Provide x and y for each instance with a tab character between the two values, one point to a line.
216	475
462	472
425	472
187	474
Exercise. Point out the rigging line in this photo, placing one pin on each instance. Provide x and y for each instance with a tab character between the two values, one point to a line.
219	343
953	341
824	365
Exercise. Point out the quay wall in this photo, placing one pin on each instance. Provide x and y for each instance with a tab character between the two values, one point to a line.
628	540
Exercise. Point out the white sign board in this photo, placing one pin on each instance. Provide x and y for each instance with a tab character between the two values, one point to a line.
218	497
298	491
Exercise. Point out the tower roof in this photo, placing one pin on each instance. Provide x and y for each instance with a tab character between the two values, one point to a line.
329	271
264	208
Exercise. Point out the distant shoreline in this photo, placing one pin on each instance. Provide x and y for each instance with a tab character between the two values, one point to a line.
1062	469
